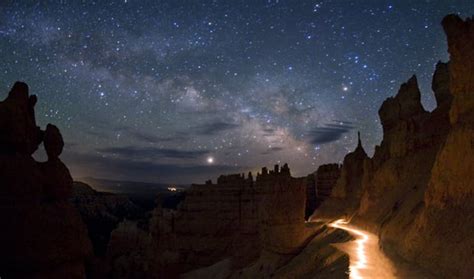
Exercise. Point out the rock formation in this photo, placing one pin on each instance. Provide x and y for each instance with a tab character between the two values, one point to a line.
42	234
417	189
213	222
102	212
349	185
132	252
283	234
237	219
311	198
326	177
347	191
281	212
445	225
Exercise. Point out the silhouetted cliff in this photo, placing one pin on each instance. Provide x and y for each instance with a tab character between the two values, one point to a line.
42	234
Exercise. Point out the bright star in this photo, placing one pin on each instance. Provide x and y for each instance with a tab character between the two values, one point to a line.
210	160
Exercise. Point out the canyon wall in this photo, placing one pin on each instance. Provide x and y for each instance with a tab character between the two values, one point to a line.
326	177
281	212
214	221
42	234
445	225
311	198
346	193
348	188
320	186
236	220
416	191
102	212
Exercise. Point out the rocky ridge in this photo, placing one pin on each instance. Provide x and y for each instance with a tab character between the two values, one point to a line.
416	191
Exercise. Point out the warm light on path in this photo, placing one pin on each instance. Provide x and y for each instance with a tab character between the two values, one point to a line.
366	259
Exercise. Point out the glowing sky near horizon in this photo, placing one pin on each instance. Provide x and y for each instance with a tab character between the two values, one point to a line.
151	90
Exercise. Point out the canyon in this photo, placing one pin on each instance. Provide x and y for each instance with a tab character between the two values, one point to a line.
414	196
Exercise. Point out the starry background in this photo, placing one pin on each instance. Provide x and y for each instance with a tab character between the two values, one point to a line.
181	91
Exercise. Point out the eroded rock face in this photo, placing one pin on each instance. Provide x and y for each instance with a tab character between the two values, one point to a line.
237	219
447	219
213	222
131	253
401	165
42	235
440	86
311	198
405	105
443	219
326	177
348	188
281	212
102	212
460	35
417	190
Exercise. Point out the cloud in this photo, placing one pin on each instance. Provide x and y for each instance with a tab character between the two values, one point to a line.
214	128
149	137
149	153
330	132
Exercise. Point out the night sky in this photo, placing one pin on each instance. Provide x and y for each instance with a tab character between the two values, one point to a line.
181	91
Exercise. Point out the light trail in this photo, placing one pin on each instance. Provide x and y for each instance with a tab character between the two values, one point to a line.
366	259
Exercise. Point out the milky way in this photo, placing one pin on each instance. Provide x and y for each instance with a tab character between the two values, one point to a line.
181	91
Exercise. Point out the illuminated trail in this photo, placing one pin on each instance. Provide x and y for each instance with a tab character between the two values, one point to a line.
366	259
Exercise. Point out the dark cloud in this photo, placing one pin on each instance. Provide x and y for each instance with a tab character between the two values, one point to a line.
330	132
214	128
148	153
149	137
269	130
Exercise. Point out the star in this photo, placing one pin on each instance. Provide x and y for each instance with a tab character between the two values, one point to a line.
210	160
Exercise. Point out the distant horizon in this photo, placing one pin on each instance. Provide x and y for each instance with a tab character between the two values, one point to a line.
214	179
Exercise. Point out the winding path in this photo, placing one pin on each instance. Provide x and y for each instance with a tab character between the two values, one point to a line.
366	259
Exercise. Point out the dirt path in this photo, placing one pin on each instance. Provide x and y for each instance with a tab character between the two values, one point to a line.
366	258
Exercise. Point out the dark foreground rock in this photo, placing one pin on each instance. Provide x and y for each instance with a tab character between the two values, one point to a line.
42	234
